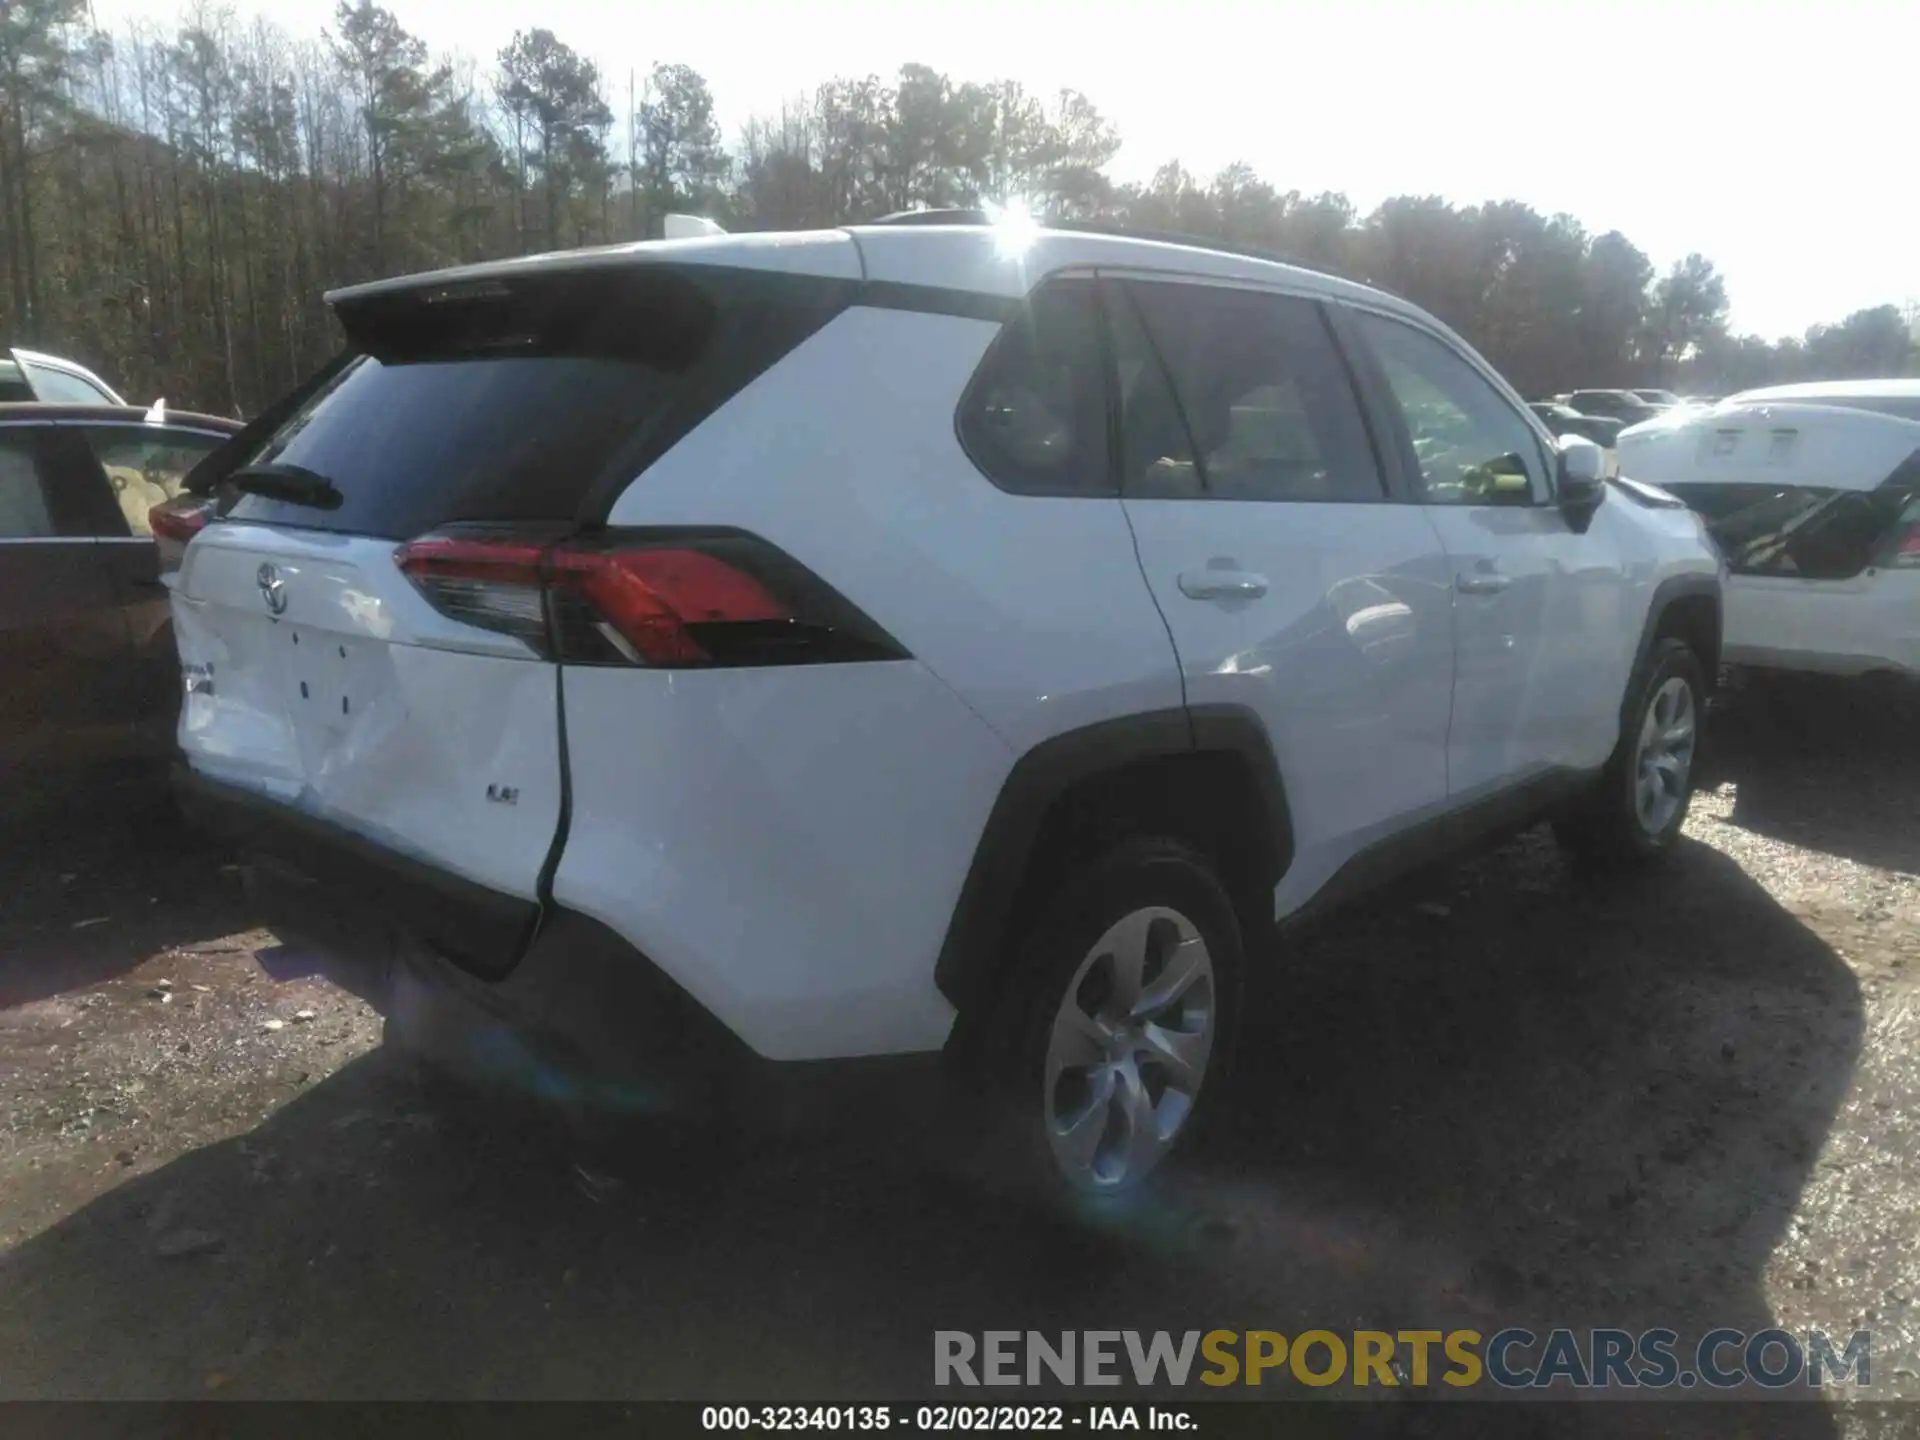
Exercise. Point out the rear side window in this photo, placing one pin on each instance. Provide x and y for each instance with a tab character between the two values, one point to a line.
51	486
23	504
1034	418
1269	410
147	464
524	399
62	387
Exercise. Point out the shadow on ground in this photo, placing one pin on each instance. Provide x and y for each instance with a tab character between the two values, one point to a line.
87	896
1830	765
1503	1093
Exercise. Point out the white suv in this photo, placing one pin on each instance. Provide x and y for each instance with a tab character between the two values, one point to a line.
1813	493
926	640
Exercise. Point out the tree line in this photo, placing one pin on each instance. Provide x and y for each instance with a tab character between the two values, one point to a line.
175	200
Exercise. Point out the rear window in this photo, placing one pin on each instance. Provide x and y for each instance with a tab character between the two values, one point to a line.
147	464
512	401
63	387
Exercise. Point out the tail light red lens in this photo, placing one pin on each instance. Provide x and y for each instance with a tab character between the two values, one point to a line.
653	599
1907	557
660	598
180	518
175	522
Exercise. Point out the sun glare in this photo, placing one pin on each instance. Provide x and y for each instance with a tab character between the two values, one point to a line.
1014	227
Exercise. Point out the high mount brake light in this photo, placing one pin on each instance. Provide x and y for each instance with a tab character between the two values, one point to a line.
669	599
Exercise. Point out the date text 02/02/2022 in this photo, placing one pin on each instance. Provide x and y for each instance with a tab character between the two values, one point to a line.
942	1419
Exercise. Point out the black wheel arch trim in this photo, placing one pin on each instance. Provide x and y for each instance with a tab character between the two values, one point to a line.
966	968
1669	590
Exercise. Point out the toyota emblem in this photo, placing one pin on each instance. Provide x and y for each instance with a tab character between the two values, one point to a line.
273	589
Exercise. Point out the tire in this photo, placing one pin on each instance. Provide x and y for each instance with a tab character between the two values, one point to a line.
1158	901
1620	820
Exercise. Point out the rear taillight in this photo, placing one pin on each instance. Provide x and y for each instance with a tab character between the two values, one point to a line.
1907	555
175	522
654	598
492	584
180	518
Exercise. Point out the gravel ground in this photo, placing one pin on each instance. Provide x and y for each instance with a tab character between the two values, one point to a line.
1503	1092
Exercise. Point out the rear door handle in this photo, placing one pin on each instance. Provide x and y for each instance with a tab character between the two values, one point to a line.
1222	584
1481	582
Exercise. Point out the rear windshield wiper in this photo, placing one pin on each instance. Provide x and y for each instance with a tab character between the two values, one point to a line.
294	484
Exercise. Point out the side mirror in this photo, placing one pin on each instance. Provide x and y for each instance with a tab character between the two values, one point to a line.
1580	481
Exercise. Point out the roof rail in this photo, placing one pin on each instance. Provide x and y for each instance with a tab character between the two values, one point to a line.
957	215
948	215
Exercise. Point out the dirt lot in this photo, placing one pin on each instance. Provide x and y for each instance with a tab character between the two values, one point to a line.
1503	1093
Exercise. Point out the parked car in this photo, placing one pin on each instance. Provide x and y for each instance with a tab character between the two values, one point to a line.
1817	508
1659	399
931	643
27	377
1602	430
1622	405
92	689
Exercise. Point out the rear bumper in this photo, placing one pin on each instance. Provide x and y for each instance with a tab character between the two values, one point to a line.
482	929
566	1010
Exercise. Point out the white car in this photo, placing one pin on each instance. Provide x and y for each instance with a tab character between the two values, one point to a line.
26	376
1813	493
953	644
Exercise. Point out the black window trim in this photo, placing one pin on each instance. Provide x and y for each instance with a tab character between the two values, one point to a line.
1110	290
1379	393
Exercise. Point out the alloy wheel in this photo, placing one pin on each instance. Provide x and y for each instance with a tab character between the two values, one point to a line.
1129	1048
1663	762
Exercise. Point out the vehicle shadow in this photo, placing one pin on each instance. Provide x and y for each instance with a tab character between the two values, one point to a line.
1585	1101
1498	1094
1831	765
89	894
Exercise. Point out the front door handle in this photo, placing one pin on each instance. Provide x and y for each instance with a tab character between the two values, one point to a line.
1481	582
1222	585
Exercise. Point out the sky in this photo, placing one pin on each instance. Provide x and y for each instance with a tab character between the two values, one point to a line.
1777	141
